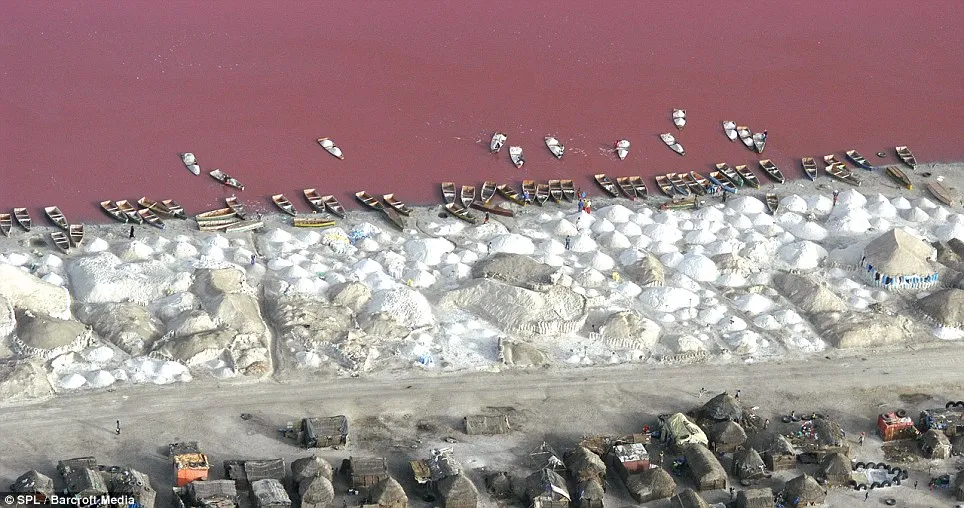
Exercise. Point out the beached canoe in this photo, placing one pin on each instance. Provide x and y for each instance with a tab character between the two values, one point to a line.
759	141
606	184
555	147
498	140
369	200
175	208
394	218
529	191
129	210
682	203
679	118
622	149
905	155
333	206
23	218
692	185
217	215
245	225
467	195
772	203
832	160
665	185
314	199
235	204
941	193
772	170
76	234
226	179
149	217
678	184
284	205
748	176
627	187
840	172
156	207
6	222
111	208
639	186
809	167
219	225
515	155
730	174
721	181
745	136
61	241
542	193
56	216
448	192
509	193
672	143
307	221
497	210
190	162
555	190
568	190
331	148
461	213
900	177
729	128
487	191
858	159
397	205
702	181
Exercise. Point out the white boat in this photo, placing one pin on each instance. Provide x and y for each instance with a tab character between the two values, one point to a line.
190	162
498	139
746	136
329	145
759	141
672	144
729	128
622	149
679	118
515	153
555	146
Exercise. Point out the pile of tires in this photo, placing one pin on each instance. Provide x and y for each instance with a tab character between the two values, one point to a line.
949	405
897	475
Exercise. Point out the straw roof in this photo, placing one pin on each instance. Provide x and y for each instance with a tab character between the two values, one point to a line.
935	444
946	306
388	493
212	489
755	498
781	446
546	483
458	490
316	490
704	466
727	433
499	485
747	463
310	467
591	489
84	482
270	492
722	407
828	432
897	252
651	484
688	499
802	490
33	482
584	464
835	465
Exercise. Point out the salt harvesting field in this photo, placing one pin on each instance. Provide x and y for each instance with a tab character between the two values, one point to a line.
724	283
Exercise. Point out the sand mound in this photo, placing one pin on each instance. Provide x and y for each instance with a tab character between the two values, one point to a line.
809	295
46	336
129	326
629	325
404	306
804	255
521	354
648	271
26	292
23	381
514	269
520	310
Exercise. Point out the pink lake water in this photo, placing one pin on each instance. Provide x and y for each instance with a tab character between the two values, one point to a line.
99	98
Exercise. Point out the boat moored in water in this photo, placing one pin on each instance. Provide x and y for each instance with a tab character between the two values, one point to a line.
461	213
498	140
314	199
154	206
129	210
284	205
622	149
542	193
226	179
672	143
235	204
679	118
448	192
627	187
772	170
399	207
606	184
555	190
529	191
691	184
840	172
702	181
5	224
175	208
467	195
507	192
76	234
639	186
190	162
220	214
515	155
57	217
111	208
730	174
729	128
487	191
858	159
678	184
665	186
369	200
745	136
555	147
809	167
61	241
748	176
721	181
331	148
333	206
907	157
568	190
149	217
760	141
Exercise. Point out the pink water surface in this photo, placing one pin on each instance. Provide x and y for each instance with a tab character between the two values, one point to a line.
99	97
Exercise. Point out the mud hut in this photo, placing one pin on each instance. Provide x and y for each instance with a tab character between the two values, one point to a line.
935	445
366	471
590	494
33	482
650	485
754	498
212	493
679	431
781	454
388	493
310	467
721	408
584	465
131	482
748	465
959	486
546	489
323	432
316	492
727	437
835	468
84	482
499	485
899	260
688	499
803	491
704	468
458	492
270	493
944	306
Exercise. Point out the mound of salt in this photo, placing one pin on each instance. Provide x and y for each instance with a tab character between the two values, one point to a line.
763	219
803	255
72	381
851	198
668	299
277	264
564	228
753	303
582	243
809	231
712	315
741	222
407	307
819	203
699	237
789	219
614	240
602	226
457	271
642	242
880	224
99	354
794	203
550	247
698	267
901	203
667	218
732	280
849	221
277	235
184	250
882	209
601	262
100	379
927	204
581	220
617	214
746	205
709	214
671	259
948	231
97	244
629	229
428	251
939	215
511	244
136	251
661	247
643	218
916	214
663	232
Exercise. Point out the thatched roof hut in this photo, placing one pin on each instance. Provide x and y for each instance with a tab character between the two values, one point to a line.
828	432
584	465
590	494
366	471
935	445
781	454
546	488
270	493
803	490
84	482
836	469
388	493
316	492
688	499
747	464
721	408
458	492
499	485
754	498
131	482
650	485
33	482
704	468
310	467
944	306
681	431
959	486
727	437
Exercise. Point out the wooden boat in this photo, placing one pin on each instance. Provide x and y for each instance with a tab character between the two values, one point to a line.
606	184
307	221
772	202
190	162
940	192
529	190
672	144
555	190
627	187
333	206
809	167
508	193
235	204
369	200
555	147
23	218
129	210
397	205
497	210
831	160
461	213
701	180
692	185
331	148
748	176
498	139
772	170
622	149
730	174
314	199
681	203
487	191
759	141
515	155
639	186
678	184
905	155
111	208
219	225
394	218
175	208
223	177
858	159
840	172
679	118
56	216
149	217
729	128
5	224
154	206
282	202
665	186
900	177
542	193
76	234
568	190
61	241
720	180
745	136
448	192
467	195
245	225
217	215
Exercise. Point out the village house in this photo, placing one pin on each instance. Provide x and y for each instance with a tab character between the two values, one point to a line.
687	498
935	445
629	458
650	485
704	468
270	493
679	431
546	489
366	471
387	493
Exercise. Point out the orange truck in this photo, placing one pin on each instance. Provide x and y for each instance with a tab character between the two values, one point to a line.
189	463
